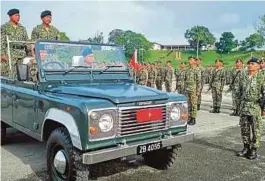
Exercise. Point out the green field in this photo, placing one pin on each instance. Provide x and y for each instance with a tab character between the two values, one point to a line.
208	57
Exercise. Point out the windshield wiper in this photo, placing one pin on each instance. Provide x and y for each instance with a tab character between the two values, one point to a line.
74	68
108	67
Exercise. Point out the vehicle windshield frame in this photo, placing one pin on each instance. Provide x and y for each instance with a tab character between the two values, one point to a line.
88	71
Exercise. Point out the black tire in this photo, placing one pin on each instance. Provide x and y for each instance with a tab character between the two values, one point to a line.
3	133
60	140
161	159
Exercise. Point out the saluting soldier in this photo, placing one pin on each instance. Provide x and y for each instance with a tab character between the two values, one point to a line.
252	91
169	72
202	72
15	32
236	75
217	85
160	77
180	78
45	30
192	88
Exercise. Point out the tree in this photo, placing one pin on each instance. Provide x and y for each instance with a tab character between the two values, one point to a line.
226	43
98	38
253	41
260	26
64	37
130	40
198	36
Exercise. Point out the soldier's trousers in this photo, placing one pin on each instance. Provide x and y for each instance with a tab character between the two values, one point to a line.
235	101
251	130
217	96
168	85
180	89
200	96
192	103
159	83
152	83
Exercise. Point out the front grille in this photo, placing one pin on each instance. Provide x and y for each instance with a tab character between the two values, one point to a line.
128	125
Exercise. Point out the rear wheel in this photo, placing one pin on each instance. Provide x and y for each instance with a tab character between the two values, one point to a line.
3	133
161	159
63	161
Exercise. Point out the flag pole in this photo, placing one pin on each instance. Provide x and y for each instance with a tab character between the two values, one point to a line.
135	65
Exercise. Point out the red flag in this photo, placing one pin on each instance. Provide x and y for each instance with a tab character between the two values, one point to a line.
133	61
146	115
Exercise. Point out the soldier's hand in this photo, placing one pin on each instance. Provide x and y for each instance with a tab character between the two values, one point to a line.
3	58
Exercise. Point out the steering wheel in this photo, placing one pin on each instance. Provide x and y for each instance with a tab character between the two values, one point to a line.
53	62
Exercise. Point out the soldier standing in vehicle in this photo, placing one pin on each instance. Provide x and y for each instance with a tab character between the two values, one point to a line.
236	75
192	88
169	72
180	76
217	85
202	72
15	32
160	73
45	30
143	76
252	106
262	67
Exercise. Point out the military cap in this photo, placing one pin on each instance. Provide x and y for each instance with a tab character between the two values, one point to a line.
253	60
45	13
86	52
12	12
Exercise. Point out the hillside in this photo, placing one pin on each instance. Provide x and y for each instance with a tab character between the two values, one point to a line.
208	56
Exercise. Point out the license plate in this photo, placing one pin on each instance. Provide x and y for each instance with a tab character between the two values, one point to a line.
141	149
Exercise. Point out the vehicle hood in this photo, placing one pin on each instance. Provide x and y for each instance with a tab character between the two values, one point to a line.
115	92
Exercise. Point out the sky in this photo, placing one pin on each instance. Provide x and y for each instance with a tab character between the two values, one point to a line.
164	22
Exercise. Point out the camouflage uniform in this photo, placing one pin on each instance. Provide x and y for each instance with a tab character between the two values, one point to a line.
17	50
234	86
252	90
152	76
202	72
39	32
192	86
217	85
169	72
33	70
143	77
262	73
160	77
180	77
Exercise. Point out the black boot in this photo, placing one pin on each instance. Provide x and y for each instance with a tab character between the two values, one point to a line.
234	113
244	152
198	107
252	154
213	110
217	110
192	121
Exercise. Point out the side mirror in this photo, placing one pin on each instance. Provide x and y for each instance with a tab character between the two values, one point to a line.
22	72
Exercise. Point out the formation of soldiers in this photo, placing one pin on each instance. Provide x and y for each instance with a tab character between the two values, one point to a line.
17	32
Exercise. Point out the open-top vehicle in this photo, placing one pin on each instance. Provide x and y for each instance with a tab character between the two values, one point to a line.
88	109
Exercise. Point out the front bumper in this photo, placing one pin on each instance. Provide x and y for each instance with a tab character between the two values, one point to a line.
130	149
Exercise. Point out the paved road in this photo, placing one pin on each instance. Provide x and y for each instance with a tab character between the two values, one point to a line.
210	157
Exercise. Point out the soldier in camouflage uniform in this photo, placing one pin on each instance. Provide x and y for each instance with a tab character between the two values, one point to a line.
152	73
202	72
143	76
192	88
169	72
262	68
236	75
217	85
252	91
15	32
159	78
180	76
45	30
148	68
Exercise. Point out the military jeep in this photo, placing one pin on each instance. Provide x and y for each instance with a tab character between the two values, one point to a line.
89	110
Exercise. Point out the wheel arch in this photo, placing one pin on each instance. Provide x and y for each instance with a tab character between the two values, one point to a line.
55	118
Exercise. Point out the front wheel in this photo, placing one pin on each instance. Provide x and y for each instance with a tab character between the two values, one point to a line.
161	159
62	162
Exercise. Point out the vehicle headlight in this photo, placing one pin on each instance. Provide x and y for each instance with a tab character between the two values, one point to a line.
175	113
105	123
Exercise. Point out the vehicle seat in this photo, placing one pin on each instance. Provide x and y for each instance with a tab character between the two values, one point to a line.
32	67
77	61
